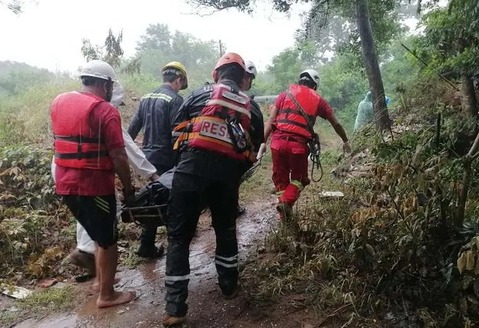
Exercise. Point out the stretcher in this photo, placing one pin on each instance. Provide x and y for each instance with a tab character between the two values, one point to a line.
150	203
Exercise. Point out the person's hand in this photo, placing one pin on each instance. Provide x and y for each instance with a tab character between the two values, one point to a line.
129	196
154	177
346	147
261	151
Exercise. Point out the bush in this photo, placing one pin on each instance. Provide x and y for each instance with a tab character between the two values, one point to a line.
35	230
391	244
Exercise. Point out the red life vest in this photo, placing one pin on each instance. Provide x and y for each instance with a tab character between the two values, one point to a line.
209	130
77	144
290	119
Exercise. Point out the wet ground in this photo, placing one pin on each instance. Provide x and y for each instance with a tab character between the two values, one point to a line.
207	308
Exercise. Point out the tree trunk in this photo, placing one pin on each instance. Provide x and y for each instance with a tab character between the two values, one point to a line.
370	59
468	95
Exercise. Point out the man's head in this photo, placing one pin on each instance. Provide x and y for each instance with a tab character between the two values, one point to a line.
249	76
230	66
98	77
309	78
175	74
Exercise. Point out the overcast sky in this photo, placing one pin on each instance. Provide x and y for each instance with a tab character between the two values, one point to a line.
48	33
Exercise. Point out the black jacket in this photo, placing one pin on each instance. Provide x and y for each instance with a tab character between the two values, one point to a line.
257	125
155	115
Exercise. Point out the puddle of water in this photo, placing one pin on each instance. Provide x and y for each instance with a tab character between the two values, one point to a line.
147	280
60	321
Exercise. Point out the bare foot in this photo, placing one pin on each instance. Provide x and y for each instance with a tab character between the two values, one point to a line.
116	299
96	284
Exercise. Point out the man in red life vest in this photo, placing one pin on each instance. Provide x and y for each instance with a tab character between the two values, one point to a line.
291	132
213	127
89	150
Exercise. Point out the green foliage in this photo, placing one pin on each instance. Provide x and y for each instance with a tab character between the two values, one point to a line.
399	69
332	24
24	118
390	244
139	84
49	300
451	38
16	78
343	87
39	303
159	45
31	219
287	65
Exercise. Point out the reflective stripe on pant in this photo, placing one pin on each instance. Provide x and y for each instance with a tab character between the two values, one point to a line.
291	194
188	194
290	163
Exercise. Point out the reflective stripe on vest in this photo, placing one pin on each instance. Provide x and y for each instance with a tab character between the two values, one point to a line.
77	144
210	133
209	130
290	119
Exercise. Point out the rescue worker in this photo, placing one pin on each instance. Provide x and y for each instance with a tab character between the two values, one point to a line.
84	254
213	123
291	132
155	115
89	150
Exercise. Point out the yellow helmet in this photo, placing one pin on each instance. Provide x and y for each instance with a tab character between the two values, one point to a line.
178	69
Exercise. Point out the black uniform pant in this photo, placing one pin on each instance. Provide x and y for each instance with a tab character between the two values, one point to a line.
148	231
188	195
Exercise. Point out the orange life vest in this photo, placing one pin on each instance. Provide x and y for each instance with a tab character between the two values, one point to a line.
210	131
77	144
289	117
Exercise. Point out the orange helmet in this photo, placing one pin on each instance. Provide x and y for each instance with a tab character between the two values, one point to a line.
228	58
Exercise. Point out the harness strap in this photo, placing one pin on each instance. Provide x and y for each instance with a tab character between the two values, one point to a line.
88	154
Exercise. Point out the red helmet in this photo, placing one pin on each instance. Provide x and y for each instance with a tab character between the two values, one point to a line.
228	58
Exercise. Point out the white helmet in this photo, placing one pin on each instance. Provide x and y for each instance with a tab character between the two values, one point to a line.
250	68
99	69
310	74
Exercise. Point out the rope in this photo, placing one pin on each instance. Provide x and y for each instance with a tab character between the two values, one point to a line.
315	157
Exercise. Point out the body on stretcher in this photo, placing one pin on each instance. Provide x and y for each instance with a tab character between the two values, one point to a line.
150	204
151	201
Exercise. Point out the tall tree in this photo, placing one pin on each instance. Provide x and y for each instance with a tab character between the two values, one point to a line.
111	51
159	46
361	11
288	63
370	59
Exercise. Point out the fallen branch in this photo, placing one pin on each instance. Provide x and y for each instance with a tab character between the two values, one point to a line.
333	314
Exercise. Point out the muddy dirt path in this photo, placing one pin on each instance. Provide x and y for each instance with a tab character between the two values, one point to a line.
207	306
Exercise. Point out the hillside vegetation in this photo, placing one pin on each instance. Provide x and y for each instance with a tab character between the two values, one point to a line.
400	249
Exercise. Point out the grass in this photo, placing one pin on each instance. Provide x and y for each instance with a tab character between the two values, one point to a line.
52	299
25	118
42	302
